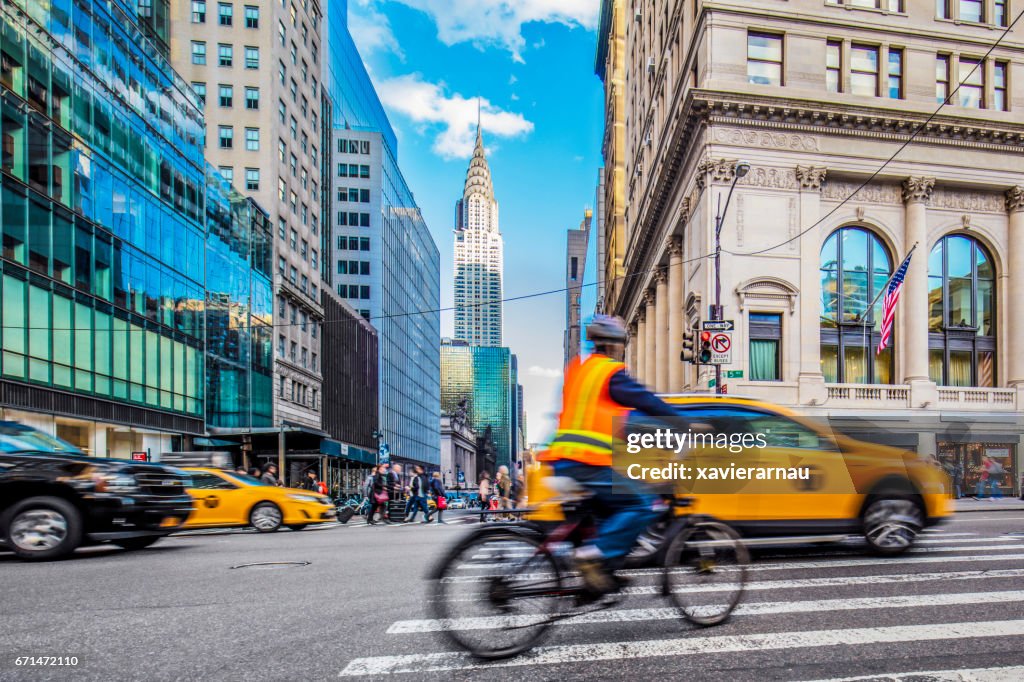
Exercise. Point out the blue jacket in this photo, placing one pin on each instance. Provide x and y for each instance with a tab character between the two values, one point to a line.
627	392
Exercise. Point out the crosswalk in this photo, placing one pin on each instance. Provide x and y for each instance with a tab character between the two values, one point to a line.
833	606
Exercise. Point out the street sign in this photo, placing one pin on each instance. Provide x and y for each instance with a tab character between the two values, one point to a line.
717	325
140	456
721	348
734	374
384	454
462	476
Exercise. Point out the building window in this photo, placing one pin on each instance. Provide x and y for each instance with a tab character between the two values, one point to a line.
199	12
765	346
364	293
293	241
999	86
895	73
226	134
942	10
281	267
226	96
855	266
364	220
225	13
252	98
364	146
764	58
281	229
864	70
198	52
972	10
364	171
343	267
962	313
834	66
252	16
1000	13
200	90
252	179
574	264
891	5
364	243
252	139
972	83
292	349
252	57
228	173
225	55
942	77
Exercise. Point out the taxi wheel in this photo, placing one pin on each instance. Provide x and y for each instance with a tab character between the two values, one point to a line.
266	517
891	523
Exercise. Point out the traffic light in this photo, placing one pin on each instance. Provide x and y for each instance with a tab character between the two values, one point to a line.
705	348
689	340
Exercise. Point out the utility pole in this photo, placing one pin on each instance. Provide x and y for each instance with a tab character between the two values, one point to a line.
739	170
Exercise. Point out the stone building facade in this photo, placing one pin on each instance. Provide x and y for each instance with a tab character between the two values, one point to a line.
836	107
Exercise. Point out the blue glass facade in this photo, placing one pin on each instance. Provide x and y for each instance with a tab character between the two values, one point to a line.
104	217
405	270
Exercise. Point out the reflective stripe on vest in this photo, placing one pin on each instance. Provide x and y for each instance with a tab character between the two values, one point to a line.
591	439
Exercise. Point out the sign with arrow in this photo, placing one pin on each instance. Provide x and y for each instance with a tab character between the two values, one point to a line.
721	348
717	325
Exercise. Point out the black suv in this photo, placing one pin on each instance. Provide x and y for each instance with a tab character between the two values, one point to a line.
54	498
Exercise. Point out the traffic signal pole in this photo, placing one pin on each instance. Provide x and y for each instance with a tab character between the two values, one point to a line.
741	169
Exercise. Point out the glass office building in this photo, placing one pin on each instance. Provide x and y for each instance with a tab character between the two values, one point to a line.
402	272
239	309
104	212
485	378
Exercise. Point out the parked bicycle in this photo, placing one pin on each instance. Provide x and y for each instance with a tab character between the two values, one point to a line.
501	588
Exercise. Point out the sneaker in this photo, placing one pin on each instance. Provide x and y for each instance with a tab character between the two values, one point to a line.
596	579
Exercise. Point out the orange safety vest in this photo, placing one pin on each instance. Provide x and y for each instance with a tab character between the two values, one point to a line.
588	412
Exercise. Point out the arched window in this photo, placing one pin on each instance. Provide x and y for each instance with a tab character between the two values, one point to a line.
855	267
961	313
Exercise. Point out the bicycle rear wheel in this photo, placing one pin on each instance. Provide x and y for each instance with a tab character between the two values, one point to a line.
497	593
705	572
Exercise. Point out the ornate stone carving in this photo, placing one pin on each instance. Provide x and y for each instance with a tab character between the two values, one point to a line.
674	246
771	140
965	220
966	200
810	177
660	276
720	170
1015	198
918	188
649	298
860	213
872	194
772	178
769	289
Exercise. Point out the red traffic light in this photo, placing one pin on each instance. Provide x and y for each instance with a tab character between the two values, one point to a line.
705	337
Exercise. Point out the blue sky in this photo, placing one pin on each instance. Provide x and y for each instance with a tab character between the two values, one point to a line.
531	63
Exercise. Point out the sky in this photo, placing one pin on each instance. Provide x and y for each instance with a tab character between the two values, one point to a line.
530	64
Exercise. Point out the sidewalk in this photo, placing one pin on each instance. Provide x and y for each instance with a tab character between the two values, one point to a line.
987	504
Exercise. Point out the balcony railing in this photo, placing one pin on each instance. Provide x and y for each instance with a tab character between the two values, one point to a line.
891	394
994	398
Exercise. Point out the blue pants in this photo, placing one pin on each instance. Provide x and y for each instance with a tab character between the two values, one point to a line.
624	507
417	503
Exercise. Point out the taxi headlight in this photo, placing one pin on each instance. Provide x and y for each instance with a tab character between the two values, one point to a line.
304	498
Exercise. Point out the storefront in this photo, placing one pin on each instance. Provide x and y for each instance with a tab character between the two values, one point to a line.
980	469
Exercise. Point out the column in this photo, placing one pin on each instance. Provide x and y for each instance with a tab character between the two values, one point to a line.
913	305
641	342
675	314
810	380
1014	353
662	341
650	353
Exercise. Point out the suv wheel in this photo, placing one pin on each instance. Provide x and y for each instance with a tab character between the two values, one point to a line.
137	543
266	517
42	528
891	524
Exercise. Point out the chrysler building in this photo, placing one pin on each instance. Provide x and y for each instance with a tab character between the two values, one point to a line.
478	256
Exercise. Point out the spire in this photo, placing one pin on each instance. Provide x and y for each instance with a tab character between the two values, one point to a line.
478	176
479	132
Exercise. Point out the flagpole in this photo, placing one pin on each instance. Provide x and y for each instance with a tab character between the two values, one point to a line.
871	307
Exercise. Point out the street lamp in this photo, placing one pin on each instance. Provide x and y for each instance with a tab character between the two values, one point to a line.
739	170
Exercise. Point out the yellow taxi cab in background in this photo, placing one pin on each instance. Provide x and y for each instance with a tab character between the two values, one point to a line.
224	498
885	494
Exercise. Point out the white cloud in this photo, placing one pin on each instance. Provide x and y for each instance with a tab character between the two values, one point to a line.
500	22
545	372
371	30
512	80
430	107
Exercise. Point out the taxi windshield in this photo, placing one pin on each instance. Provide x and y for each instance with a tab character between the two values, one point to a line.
244	478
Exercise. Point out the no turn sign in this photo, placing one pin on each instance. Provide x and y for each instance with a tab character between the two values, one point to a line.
721	348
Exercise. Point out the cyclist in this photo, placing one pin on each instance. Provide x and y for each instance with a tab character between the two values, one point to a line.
597	391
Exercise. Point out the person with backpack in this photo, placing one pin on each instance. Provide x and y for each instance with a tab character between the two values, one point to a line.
418	496
436	488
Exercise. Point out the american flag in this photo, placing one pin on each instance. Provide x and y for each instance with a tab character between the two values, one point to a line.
892	296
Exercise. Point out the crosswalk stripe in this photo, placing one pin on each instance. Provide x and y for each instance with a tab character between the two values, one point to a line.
586	653
403	627
1007	674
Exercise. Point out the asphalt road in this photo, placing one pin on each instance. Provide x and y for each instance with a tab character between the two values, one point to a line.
180	611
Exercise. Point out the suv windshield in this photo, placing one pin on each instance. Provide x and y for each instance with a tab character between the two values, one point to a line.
17	438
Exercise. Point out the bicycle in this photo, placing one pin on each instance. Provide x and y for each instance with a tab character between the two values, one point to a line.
526	580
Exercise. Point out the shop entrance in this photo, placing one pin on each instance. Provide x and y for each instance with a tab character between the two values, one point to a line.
980	469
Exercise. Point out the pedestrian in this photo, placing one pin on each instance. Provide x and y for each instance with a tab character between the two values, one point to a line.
438	493
503	490
377	494
485	494
310	483
270	475
418	496
396	505
254	472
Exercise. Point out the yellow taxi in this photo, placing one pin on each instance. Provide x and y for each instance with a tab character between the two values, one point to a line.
225	498
844	486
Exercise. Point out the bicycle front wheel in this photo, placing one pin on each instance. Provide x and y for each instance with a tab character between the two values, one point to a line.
497	593
705	572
